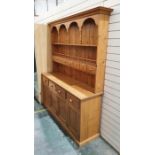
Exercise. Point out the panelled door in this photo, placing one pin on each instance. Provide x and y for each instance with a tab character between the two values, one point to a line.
62	113
53	99
46	93
73	121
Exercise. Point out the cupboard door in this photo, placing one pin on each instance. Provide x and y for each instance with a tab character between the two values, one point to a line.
53	98
62	114
45	92
46	96
53	103
73	121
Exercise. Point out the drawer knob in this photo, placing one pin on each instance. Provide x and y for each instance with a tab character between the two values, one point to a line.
59	91
70	100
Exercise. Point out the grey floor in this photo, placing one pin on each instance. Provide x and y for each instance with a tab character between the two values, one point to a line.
49	139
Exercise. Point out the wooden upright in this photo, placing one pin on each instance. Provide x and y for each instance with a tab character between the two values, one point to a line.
73	85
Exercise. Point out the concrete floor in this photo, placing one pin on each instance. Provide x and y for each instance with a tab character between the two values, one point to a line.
49	139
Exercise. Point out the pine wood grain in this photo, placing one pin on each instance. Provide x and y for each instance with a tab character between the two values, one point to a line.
73	88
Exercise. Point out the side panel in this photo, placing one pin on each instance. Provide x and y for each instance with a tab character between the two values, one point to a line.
42	52
90	118
101	51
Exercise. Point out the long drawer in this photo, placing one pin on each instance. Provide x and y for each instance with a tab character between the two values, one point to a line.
73	101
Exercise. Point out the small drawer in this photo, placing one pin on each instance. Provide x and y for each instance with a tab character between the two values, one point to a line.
74	101
91	69
51	85
45	81
60	91
83	67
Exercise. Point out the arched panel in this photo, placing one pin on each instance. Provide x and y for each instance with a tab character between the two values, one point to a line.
54	35
89	32
74	33
63	35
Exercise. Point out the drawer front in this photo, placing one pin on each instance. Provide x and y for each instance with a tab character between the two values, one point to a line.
73	101
60	91
91	69
45	81
83	67
51	86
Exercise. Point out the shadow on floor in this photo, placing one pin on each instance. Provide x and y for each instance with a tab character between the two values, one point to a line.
37	106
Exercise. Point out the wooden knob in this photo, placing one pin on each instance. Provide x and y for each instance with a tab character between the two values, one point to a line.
59	91
70	100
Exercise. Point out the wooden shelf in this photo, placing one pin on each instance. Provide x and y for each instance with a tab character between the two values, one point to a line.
75	57
86	67
68	44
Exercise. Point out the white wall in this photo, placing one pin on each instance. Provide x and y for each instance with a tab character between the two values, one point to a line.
110	120
42	6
